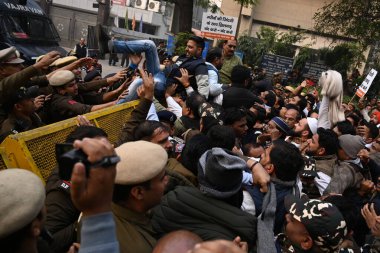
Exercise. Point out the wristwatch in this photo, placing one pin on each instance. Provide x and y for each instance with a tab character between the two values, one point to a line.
107	161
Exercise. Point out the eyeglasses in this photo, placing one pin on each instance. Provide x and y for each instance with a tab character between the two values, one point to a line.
231	46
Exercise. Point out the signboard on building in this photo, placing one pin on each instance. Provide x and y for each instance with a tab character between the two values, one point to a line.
276	63
314	70
364	87
119	2
218	26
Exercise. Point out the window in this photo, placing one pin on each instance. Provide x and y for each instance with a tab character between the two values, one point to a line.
26	27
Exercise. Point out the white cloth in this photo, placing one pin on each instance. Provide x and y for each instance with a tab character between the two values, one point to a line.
174	107
213	78
322	182
248	204
323	118
189	90
152	114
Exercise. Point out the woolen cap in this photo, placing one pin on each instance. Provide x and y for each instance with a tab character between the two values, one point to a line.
140	161
22	197
61	77
220	173
10	56
351	144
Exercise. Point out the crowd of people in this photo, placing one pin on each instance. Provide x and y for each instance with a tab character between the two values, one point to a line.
216	157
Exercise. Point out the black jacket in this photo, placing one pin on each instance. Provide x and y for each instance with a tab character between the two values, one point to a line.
61	213
187	208
238	97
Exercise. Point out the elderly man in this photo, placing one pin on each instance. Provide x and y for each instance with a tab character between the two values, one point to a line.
80	49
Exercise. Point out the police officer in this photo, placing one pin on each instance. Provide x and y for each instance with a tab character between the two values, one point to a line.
22	112
66	102
14	75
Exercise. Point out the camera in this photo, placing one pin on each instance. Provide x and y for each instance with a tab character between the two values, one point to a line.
67	157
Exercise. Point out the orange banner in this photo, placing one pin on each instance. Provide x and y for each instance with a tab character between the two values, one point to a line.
217	36
360	93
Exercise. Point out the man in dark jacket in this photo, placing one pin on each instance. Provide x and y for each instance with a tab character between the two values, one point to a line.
238	94
81	49
190	70
213	210
113	56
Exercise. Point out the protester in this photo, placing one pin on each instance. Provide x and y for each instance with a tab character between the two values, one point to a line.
230	61
213	159
190	70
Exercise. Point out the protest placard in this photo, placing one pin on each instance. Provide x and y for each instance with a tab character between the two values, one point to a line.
218	26
364	87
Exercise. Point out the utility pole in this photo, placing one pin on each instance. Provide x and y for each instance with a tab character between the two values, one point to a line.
239	21
103	12
104	8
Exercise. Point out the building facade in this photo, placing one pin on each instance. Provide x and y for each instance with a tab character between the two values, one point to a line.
72	18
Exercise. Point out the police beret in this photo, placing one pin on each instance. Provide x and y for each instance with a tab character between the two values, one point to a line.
19	95
61	62
140	161
10	56
167	116
61	78
91	75
22	197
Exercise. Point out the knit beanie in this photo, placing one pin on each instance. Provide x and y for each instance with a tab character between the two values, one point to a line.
332	87
220	173
351	144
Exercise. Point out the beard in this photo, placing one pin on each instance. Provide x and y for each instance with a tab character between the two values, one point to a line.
309	152
297	134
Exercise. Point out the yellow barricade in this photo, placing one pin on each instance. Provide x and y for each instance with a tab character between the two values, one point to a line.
34	150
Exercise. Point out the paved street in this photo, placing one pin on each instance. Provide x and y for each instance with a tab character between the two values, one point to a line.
109	69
